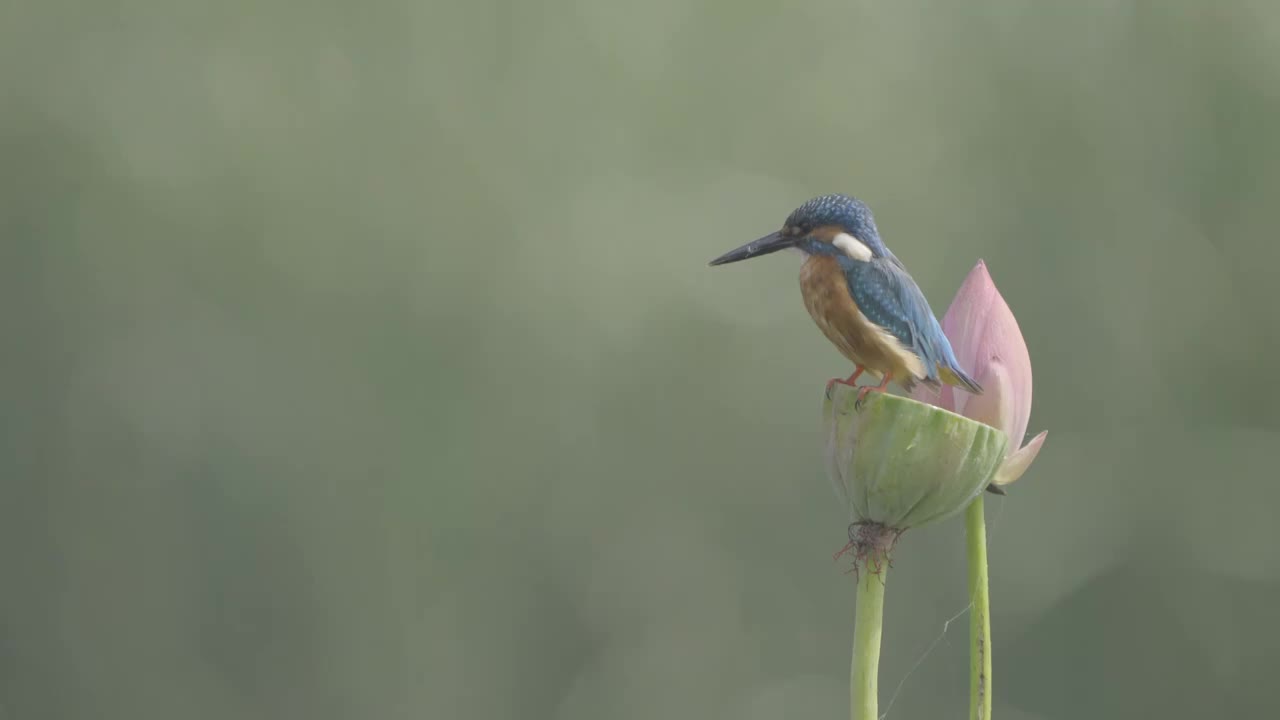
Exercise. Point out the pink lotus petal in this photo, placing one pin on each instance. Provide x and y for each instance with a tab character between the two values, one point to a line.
1018	461
995	406
943	397
989	344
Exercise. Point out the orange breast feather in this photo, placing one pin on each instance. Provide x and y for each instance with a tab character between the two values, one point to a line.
827	298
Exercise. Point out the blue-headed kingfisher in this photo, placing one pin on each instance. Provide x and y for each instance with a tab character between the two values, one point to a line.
861	296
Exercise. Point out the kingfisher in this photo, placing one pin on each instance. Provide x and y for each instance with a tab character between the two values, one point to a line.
861	297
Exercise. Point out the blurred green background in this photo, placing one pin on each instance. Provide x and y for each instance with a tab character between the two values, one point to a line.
362	360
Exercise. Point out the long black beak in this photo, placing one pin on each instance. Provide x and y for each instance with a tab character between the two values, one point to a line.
771	243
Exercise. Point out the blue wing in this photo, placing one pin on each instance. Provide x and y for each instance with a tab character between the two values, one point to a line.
887	295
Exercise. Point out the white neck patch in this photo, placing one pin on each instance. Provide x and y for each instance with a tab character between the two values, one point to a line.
852	246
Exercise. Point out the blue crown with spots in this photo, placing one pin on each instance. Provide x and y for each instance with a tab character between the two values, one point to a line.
850	214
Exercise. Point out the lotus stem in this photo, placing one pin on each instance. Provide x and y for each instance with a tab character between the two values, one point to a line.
864	674
979	614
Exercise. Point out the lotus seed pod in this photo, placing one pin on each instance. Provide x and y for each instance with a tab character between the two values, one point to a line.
901	463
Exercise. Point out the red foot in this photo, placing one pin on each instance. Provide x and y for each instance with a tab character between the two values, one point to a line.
857	370
884	384
850	381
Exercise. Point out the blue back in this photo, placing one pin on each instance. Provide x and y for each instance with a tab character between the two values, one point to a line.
887	295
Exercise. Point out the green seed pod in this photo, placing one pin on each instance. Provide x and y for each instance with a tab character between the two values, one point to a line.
900	463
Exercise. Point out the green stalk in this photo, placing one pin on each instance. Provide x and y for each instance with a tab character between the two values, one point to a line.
975	527
863	704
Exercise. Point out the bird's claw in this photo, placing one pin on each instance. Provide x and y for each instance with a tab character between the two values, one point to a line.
851	381
863	392
868	389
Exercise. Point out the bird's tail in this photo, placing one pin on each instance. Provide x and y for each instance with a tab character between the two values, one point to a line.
956	376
